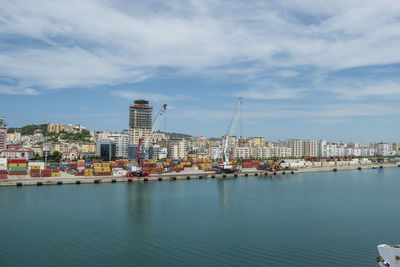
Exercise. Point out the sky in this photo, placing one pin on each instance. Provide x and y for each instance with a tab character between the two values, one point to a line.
305	69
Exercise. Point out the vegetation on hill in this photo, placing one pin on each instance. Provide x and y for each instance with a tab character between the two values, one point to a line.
177	135
29	129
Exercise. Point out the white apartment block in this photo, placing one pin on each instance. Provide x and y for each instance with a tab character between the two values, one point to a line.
310	148
383	149
296	146
242	152
262	152
282	152
177	149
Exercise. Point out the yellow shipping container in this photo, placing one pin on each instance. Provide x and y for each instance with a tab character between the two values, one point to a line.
96	164
19	165
55	174
105	165
35	167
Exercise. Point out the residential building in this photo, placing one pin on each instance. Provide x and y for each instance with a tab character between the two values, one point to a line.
68	128
122	143
140	122
282	152
262	152
177	148
383	149
55	128
310	148
296	146
13	137
242	152
17	153
256	142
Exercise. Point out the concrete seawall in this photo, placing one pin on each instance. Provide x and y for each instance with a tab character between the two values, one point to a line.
175	176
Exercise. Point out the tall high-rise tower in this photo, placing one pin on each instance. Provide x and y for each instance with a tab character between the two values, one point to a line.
3	134
140	122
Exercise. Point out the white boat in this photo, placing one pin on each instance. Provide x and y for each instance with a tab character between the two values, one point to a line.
390	255
374	167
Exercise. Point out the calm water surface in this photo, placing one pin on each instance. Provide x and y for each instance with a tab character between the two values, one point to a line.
314	219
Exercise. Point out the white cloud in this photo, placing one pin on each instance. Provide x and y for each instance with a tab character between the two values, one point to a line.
13	90
272	94
89	43
132	95
386	89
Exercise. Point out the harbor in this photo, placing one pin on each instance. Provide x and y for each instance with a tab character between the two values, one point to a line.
280	220
66	178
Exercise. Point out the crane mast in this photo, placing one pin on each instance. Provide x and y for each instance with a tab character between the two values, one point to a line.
231	130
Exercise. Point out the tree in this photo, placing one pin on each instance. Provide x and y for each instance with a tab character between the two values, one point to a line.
56	156
37	156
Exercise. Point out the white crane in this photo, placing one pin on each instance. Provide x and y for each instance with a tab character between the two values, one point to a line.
155	127
158	120
226	146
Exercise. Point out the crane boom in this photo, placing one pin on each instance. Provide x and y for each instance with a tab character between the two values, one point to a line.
231	130
158	120
156	124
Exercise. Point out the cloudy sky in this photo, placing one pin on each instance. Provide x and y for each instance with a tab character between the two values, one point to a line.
306	69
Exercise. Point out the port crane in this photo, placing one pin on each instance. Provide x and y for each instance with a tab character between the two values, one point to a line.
225	167
138	172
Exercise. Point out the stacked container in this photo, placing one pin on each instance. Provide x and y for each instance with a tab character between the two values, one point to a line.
45	173
3	168
88	172
17	167
102	170
149	167
72	167
34	168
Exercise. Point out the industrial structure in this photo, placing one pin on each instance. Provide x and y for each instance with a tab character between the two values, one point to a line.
3	134
227	143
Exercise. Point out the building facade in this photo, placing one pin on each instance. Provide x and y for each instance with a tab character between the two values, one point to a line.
310	148
140	122
122	143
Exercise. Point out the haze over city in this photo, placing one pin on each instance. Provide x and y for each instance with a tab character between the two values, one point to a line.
306	69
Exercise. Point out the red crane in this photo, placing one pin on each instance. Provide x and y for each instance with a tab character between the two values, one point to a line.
139	153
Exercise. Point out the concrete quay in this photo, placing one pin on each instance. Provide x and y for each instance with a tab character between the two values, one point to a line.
186	175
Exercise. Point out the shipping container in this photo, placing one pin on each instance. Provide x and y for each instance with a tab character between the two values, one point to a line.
17	173
17	161
17	169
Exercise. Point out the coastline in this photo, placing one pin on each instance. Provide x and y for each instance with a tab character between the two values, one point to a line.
184	175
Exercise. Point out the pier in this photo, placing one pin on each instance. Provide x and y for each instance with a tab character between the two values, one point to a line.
27	181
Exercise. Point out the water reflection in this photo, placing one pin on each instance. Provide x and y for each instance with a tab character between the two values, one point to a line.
139	202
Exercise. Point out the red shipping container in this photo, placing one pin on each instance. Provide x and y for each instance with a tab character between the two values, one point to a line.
45	171
3	171
45	175
3	176
17	173
17	161
35	171
34	175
